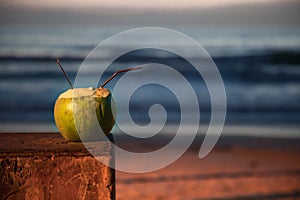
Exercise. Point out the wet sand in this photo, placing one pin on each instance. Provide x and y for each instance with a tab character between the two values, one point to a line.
237	168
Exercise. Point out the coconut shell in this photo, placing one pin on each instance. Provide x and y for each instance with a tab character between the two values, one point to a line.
79	112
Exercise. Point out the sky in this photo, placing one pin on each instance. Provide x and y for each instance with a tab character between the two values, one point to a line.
151	12
135	4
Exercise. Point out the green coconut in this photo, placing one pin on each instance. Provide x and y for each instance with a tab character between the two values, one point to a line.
84	114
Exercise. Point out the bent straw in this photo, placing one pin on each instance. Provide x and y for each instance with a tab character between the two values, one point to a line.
118	72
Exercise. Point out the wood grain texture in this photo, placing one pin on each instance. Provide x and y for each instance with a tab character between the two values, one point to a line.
45	166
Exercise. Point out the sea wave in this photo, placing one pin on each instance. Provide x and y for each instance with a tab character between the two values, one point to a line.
148	55
272	67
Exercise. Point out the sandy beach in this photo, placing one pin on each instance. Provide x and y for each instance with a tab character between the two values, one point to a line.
237	168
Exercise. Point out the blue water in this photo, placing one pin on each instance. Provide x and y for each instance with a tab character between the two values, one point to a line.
260	68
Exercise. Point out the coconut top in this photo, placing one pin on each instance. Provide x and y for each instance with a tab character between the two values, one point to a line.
81	92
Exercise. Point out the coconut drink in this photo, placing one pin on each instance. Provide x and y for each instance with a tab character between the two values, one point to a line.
85	114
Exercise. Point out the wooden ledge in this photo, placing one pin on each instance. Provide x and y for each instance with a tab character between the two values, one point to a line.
46	166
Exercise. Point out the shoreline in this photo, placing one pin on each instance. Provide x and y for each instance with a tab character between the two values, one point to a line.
245	130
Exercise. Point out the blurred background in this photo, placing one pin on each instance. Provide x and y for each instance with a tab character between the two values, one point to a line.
255	45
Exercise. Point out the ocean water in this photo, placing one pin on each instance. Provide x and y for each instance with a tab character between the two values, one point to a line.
260	68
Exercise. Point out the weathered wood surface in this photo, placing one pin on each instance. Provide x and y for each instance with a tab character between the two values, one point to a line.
45	166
